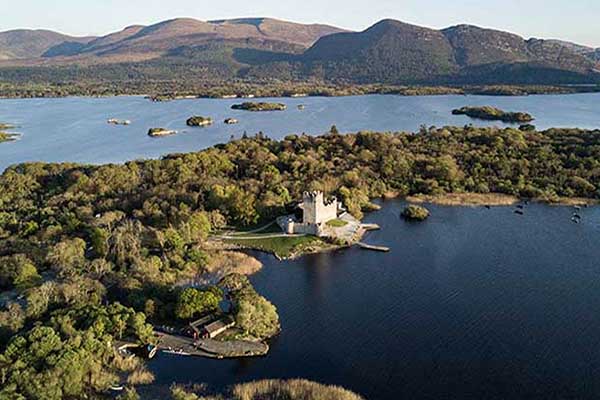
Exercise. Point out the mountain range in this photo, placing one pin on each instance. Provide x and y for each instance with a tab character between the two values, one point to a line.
388	52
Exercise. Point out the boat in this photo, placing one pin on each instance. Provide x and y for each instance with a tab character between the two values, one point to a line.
301	107
520	212
179	352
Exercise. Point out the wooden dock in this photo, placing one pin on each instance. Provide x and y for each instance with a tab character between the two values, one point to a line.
370	227
373	247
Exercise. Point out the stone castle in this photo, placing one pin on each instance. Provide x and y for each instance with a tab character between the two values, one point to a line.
316	212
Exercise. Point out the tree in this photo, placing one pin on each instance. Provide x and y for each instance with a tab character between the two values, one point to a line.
18	271
67	257
257	317
192	302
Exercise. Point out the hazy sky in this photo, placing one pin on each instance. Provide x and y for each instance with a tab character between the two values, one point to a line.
576	20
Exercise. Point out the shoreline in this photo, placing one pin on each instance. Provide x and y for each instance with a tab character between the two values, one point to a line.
493	199
258	90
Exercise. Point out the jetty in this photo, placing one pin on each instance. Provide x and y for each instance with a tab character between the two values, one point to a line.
370	227
366	246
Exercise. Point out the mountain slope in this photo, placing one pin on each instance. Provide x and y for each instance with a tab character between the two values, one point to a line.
388	52
139	43
395	52
23	43
388	48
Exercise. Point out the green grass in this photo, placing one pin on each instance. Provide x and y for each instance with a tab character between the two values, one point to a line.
283	247
337	223
271	228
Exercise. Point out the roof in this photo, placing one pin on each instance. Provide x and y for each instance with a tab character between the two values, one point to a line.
220	324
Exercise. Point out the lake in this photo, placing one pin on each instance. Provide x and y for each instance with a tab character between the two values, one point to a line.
471	304
76	129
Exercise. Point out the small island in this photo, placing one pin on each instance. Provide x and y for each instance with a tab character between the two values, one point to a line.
249	106
415	213
199	121
5	136
493	114
231	121
159	132
115	121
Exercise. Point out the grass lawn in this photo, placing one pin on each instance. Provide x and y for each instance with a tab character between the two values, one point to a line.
280	246
337	223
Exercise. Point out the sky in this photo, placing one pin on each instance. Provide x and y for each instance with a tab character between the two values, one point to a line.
573	20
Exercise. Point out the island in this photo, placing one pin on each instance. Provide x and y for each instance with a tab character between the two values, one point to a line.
415	213
159	132
115	121
5	136
231	121
199	121
493	114
250	106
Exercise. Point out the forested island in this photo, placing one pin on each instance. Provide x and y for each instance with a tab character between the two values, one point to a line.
159	132
250	106
94	255
199	121
415	213
493	114
165	90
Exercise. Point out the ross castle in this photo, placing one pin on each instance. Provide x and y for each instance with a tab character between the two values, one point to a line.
316	212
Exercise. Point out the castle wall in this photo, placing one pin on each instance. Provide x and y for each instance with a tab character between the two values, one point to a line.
315	211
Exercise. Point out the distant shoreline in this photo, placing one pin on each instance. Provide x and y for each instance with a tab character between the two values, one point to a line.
493	199
162	91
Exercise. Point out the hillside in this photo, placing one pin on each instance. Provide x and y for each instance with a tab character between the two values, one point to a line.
141	43
23	43
389	48
255	49
396	52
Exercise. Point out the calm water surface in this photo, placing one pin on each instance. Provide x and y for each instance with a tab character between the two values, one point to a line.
471	304
75	129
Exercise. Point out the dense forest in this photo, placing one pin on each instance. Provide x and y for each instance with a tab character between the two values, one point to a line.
168	79
90	254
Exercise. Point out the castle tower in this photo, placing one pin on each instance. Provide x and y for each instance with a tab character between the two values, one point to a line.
315	210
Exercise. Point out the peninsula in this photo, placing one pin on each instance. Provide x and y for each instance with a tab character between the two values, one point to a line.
318	224
121	250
